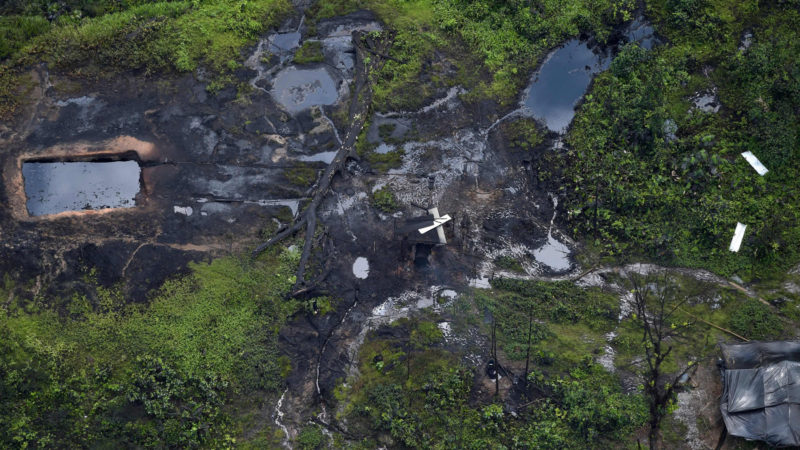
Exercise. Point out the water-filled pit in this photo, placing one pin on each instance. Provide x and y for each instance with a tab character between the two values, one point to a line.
567	72
55	187
299	89
561	82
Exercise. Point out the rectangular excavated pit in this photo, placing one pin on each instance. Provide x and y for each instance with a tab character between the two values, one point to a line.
55	187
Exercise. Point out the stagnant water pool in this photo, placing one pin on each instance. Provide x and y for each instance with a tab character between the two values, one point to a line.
54	187
299	89
567	72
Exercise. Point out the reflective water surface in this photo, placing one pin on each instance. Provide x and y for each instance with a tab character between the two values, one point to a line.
54	187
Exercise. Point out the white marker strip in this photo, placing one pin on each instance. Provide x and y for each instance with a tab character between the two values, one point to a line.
436	223
439	231
736	242
751	158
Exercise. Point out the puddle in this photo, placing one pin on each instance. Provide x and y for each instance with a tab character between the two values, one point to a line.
284	43
384	148
361	268
553	254
566	74
561	82
54	187
297	89
292	204
706	101
185	210
341	49
747	41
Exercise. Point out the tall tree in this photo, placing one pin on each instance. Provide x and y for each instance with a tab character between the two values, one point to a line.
656	302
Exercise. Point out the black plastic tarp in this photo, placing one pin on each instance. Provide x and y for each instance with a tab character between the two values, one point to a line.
761	396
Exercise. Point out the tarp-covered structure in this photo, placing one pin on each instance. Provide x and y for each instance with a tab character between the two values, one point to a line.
761	396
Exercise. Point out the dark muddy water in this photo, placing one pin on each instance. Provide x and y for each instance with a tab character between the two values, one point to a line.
561	82
565	75
56	187
298	89
280	43
642	32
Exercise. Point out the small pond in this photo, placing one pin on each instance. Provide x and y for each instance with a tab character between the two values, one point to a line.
561	82
54	187
299	89
567	72
553	254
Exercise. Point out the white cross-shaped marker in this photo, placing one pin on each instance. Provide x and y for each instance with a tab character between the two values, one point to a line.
437	223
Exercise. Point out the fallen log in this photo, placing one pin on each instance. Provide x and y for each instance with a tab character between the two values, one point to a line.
359	107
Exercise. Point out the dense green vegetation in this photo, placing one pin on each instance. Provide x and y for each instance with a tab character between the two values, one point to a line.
635	191
145	36
413	391
94	370
505	39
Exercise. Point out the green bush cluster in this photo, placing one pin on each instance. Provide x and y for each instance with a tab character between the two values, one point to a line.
523	134
634	190
310	438
309	52
384	200
160	374
436	408
756	321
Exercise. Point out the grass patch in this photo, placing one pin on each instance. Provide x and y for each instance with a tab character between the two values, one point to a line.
384	200
383	162
302	176
756	321
310	52
508	263
149	38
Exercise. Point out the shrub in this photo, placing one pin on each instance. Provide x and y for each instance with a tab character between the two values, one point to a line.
310	438
384	200
309	52
755	321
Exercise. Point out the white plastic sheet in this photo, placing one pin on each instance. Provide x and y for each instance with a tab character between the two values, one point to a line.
738	235
751	158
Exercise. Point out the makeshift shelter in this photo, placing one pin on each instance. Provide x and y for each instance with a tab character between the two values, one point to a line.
419	235
761	396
